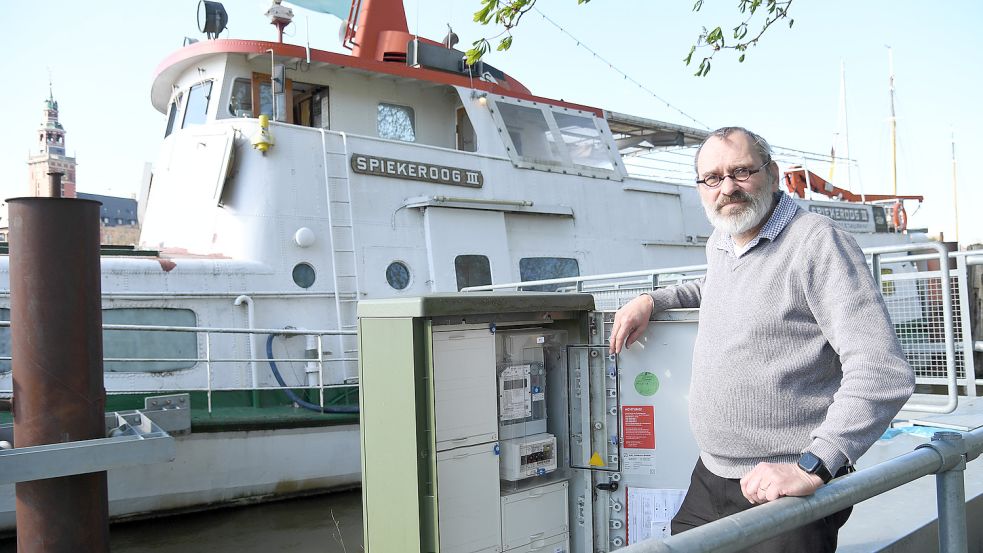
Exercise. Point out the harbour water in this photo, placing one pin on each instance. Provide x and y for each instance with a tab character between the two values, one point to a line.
329	523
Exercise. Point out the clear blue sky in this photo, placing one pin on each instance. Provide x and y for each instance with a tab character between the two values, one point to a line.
102	58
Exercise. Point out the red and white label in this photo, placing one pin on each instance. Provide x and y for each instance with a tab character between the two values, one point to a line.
638	426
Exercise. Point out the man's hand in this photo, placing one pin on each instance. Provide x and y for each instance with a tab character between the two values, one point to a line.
630	322
769	481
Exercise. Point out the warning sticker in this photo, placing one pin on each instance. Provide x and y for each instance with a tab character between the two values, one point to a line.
638	426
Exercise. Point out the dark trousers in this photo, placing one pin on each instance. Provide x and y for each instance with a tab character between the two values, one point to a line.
711	497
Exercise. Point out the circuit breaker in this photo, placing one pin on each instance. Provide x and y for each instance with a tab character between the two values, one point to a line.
499	423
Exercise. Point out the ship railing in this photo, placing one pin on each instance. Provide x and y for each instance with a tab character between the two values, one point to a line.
928	302
945	457
209	359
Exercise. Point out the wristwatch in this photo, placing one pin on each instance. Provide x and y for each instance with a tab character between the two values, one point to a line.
814	465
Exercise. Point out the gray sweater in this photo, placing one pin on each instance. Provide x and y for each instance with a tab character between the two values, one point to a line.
795	351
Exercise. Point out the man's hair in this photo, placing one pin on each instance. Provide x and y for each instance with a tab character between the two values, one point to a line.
761	146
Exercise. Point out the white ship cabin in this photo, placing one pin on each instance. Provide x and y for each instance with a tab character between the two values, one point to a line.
400	170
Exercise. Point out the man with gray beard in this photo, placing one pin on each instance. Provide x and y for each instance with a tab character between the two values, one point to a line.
796	368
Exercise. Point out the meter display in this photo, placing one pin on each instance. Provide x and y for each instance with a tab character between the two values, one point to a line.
521	400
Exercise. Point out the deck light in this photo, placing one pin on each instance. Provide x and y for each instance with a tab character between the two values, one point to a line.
481	97
212	18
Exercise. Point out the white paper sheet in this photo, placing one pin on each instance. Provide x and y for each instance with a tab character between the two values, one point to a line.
650	512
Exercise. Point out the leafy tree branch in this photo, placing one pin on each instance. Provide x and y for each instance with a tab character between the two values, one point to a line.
508	13
714	39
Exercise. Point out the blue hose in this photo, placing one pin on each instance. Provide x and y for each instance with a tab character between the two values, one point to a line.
293	396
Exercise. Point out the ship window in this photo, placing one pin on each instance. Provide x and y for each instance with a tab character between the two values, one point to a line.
241	99
472	270
304	275
466	141
530	134
396	122
172	114
398	275
262	99
543	268
171	350
583	140
197	109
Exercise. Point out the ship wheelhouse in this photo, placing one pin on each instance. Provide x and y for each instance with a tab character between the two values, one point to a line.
459	145
385	100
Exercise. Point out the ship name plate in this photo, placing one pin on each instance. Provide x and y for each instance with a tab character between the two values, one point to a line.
415	170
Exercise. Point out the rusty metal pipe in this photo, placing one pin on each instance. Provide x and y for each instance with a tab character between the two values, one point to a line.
54	184
56	331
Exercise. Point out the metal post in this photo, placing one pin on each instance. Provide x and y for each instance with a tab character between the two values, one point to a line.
875	269
320	371
965	320
208	369
58	388
951	496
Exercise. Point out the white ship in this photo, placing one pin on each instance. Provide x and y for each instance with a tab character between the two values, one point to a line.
394	171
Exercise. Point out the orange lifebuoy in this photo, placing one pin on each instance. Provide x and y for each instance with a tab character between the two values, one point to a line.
899	216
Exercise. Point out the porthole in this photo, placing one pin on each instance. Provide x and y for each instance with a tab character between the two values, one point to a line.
398	275
304	275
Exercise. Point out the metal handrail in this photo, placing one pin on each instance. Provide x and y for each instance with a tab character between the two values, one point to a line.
578	281
208	360
945	456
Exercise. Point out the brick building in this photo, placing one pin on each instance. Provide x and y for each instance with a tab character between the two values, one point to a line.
49	154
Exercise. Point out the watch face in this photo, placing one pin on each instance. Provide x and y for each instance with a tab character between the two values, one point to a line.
809	463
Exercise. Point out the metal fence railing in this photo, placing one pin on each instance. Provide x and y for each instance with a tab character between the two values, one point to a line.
217	360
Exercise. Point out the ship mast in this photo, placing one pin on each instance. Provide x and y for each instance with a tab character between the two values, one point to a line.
955	199
844	139
894	125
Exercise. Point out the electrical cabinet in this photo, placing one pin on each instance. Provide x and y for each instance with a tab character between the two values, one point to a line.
499	423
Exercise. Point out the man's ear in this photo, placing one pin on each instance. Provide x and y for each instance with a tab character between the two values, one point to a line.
773	170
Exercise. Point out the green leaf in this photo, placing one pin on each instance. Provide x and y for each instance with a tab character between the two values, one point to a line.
697	5
479	48
790	22
483	15
505	44
741	59
704	68
689	57
715	35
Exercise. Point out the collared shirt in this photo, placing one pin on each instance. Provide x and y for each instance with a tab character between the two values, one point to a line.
780	218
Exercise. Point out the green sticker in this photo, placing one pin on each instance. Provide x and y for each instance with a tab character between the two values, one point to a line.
646	383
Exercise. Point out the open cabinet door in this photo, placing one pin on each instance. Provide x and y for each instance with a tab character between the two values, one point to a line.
630	443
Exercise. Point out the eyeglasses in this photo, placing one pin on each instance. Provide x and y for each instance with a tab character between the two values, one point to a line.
741	174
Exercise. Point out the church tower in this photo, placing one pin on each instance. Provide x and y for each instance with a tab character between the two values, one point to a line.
49	154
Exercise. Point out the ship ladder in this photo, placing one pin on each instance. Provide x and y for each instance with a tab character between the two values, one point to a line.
344	262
